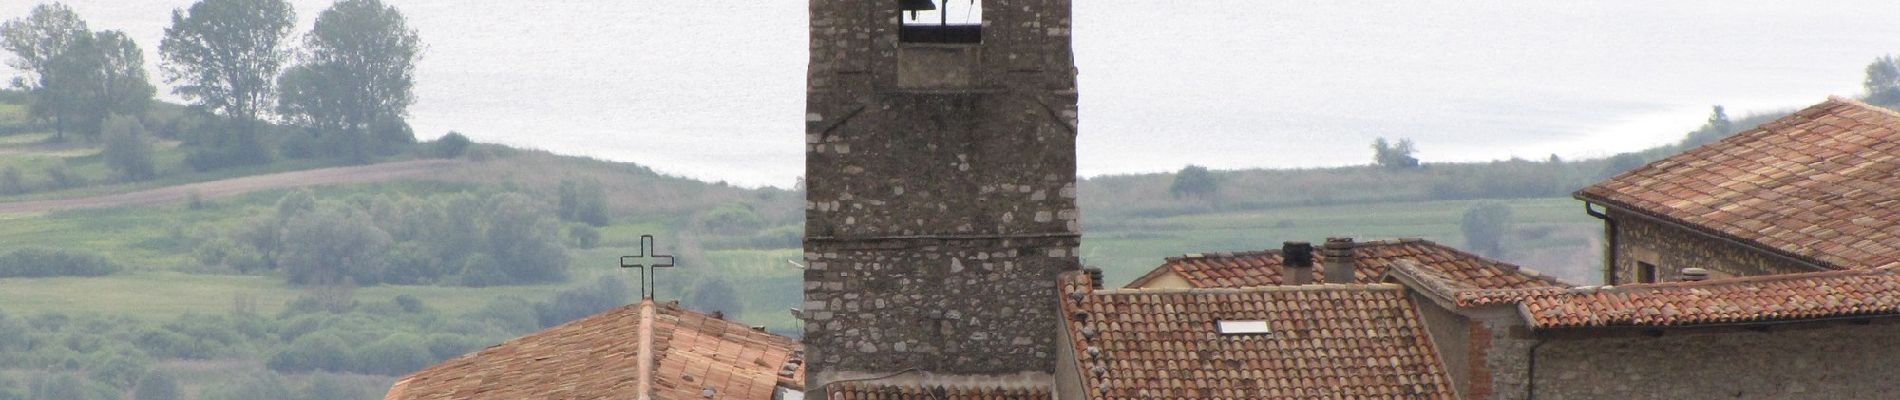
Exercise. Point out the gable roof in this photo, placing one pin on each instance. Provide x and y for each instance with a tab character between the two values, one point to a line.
1741	300
658	349
1821	185
1327	341
1264	268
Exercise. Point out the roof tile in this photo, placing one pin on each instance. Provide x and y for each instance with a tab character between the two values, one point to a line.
1793	186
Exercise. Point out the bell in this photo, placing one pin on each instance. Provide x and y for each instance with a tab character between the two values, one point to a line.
916	5
913	6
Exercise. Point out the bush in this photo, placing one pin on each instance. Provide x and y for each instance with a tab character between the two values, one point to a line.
323	350
451	145
71	387
716	294
12	182
127	151
333	245
731	219
509	313
444	346
40	262
333	387
157	385
257	385
568	305
60	176
394	355
524	238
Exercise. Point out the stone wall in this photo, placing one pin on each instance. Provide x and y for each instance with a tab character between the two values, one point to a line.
948	306
940	202
1450	337
1640	239
1824	361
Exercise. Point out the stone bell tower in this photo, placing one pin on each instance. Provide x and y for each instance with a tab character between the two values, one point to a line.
940	169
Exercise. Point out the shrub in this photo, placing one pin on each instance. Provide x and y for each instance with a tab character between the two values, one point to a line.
40	262
509	313
333	245
157	385
257	385
127	150
451	145
334	387
568	305
11	182
396	354
444	346
524	238
61	176
323	350
71	387
716	294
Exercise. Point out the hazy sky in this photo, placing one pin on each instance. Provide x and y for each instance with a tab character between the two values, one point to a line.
714	89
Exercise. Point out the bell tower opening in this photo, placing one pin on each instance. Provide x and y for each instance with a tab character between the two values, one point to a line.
941	21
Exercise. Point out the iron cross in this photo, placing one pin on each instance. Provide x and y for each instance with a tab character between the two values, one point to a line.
648	259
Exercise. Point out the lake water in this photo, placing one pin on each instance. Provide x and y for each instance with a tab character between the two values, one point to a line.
714	89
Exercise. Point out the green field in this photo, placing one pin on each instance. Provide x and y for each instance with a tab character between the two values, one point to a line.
1552	235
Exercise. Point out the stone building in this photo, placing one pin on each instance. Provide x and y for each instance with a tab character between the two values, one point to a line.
940	172
1814	191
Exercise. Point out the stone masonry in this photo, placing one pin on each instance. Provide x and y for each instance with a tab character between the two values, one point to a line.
940	193
1641	239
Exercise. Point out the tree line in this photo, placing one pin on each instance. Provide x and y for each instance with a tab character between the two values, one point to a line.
342	91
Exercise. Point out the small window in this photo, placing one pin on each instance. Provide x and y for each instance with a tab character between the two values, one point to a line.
941	21
1245	327
1646	273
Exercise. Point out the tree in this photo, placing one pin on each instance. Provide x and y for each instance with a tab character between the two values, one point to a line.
1194	181
524	238
1484	226
451	145
224	56
331	244
127	150
40	43
1883	81
1717	127
353	87
1395	157
1620	163
103	74
716	294
583	201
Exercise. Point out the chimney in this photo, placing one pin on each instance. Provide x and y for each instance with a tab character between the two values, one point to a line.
1299	263
1694	274
1095	277
1339	260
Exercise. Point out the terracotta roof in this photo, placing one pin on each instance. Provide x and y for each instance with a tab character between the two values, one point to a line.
599	357
1740	300
1821	185
861	391
1327	341
1264	268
